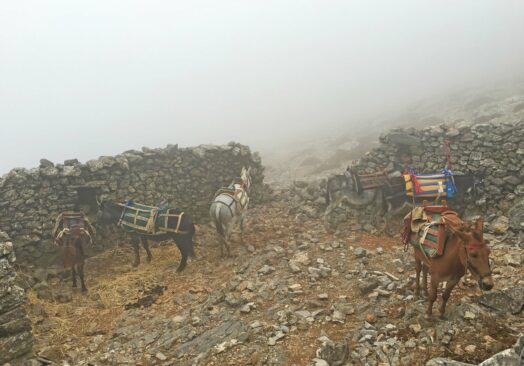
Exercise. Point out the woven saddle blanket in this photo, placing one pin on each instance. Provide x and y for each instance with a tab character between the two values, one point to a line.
425	228
150	220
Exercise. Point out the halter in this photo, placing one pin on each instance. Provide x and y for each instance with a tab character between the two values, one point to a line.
246	184
470	246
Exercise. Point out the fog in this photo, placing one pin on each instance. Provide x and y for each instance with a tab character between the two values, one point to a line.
83	79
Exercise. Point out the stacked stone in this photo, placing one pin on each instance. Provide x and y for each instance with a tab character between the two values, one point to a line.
494	152
16	338
491	151
186	177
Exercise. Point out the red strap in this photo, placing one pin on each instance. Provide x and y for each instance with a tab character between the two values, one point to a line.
447	151
416	184
472	246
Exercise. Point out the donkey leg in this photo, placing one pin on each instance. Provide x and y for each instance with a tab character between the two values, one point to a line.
134	243
73	275
425	279
227	238
418	268
145	245
222	243
226	245
81	274
335	201
242	229
445	296
183	246
432	296
327	215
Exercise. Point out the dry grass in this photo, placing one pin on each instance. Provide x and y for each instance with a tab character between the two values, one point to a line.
112	283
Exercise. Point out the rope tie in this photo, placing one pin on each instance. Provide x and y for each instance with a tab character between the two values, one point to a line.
150	225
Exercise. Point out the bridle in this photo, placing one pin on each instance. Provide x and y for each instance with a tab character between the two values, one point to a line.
471	246
246	184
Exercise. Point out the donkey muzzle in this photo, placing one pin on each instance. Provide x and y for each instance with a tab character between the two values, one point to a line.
486	283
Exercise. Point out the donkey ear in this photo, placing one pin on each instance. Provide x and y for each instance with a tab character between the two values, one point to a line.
479	225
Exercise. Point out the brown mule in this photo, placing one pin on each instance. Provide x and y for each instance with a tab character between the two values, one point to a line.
72	251
73	234
465	250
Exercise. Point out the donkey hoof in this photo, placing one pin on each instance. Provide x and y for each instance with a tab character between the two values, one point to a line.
427	316
149	259
136	263
84	290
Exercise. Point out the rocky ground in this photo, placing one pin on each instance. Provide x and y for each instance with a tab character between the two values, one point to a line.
293	294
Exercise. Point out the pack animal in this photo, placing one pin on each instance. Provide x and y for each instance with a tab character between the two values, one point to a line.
229	208
464	250
163	223
342	189
73	234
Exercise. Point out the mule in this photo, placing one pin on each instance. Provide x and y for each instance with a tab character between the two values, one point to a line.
465	251
73	235
182	232
229	208
340	189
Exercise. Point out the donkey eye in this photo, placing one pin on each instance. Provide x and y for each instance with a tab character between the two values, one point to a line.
474	254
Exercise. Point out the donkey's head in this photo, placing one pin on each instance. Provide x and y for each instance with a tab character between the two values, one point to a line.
108	212
245	175
475	255
469	185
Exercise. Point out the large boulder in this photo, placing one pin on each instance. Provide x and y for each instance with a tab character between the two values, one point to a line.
516	215
16	338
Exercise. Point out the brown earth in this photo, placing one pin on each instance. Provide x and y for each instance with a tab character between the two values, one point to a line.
69	331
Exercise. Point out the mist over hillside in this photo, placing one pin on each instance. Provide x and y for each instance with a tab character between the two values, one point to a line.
330	151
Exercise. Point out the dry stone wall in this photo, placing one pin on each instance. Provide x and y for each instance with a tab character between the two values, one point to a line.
16	338
187	177
493	151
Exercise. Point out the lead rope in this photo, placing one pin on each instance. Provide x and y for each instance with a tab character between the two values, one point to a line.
447	151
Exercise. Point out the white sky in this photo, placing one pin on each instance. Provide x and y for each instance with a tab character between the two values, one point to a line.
83	79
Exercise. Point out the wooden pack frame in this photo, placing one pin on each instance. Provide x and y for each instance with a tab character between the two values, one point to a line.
363	182
149	220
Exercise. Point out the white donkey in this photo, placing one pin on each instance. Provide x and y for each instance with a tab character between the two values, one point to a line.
229	207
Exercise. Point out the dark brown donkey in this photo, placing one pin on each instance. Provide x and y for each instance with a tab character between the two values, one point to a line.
73	235
465	249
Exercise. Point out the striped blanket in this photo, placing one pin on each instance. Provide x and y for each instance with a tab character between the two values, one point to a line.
439	185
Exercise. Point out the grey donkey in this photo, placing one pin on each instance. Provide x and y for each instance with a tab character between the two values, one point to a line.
229	208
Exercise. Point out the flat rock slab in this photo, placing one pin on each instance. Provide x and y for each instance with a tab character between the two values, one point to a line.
227	331
510	300
446	362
